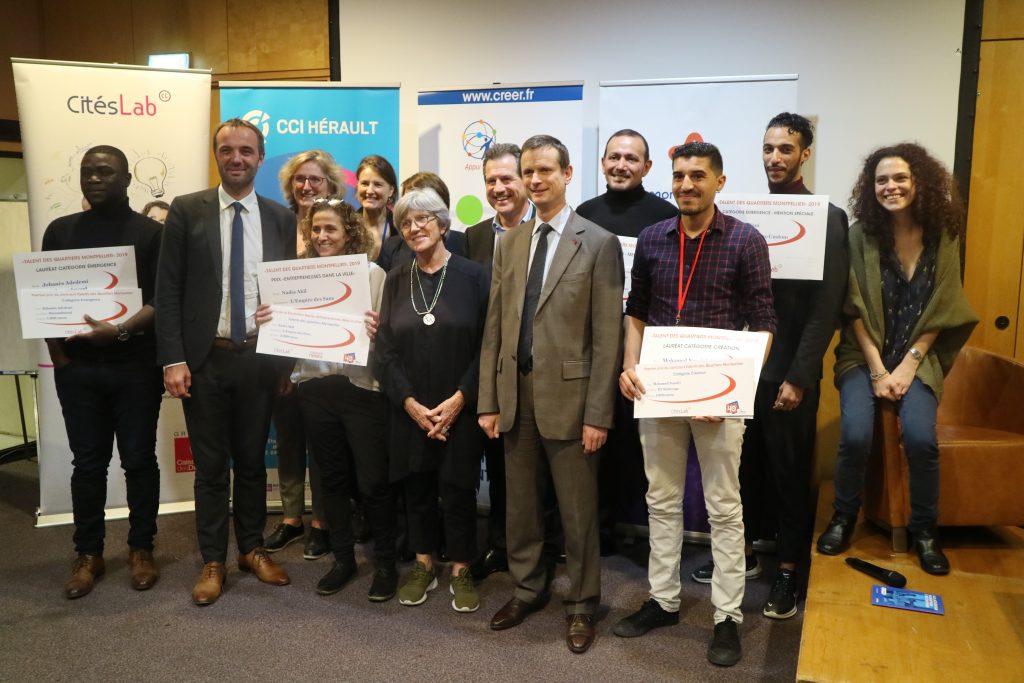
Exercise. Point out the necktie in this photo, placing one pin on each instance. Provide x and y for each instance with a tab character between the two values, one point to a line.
534	283
237	283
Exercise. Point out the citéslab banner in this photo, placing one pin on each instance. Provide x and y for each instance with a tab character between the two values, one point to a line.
458	125
348	121
160	119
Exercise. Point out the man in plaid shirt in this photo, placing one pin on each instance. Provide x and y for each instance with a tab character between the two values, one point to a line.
724	282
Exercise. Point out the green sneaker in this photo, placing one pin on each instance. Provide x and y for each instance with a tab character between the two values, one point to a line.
417	584
466	598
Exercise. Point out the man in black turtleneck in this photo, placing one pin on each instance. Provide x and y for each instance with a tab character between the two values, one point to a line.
107	380
625	209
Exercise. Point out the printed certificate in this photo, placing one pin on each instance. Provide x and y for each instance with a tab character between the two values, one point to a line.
709	388
334	284
102	268
792	224
672	345
47	313
628	251
315	335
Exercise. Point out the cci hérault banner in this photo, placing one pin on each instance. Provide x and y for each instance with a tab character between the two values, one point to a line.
730	112
350	122
456	126
160	119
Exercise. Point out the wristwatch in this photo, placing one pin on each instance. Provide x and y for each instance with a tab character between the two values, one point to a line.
123	334
915	354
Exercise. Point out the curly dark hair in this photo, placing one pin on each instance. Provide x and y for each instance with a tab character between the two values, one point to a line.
359	239
937	205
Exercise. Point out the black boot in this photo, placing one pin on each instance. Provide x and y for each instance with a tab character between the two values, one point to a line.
836	537
929	554
340	573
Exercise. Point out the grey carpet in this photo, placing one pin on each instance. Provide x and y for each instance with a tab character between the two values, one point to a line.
291	633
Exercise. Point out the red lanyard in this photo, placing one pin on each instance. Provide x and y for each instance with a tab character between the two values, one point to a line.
681	299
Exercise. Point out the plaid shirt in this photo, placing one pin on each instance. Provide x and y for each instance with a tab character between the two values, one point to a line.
732	285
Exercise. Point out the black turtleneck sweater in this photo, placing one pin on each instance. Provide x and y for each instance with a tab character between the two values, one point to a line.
113	226
626	212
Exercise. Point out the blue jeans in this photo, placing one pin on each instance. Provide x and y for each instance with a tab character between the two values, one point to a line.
917	422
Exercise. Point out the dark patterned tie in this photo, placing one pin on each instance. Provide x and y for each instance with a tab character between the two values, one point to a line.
237	283
534	283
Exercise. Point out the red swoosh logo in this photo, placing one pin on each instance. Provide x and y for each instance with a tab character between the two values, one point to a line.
351	338
124	309
347	294
732	385
799	236
113	280
692	137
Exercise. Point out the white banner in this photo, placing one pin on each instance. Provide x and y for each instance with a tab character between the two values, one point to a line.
160	119
457	125
730	112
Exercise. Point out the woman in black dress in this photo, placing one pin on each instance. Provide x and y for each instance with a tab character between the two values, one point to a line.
428	356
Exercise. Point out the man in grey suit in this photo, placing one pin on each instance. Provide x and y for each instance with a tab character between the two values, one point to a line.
207	295
547	381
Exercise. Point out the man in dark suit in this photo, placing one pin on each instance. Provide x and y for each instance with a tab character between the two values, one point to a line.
547	379
207	295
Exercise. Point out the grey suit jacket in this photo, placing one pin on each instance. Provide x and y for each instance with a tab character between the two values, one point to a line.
577	331
188	281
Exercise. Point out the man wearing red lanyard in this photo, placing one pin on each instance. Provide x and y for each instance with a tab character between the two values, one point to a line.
702	269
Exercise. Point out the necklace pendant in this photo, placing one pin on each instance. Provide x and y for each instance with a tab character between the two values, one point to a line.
428	319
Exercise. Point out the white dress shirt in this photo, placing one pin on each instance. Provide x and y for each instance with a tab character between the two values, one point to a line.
253	244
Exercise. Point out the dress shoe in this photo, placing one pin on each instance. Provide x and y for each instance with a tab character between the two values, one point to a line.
492	561
650	615
836	537
317	545
84	572
579	632
725	646
283	536
144	571
515	610
266	570
210	584
929	554
336	578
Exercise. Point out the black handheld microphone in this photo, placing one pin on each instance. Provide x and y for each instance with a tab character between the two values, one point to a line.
886	576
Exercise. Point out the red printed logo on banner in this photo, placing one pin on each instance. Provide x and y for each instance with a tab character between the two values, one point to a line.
692	137
183	455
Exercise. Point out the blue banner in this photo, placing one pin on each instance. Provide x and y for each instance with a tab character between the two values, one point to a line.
350	123
554	93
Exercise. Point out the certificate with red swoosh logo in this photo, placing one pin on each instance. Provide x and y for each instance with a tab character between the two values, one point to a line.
334	284
47	313
100	268
315	335
709	388
793	225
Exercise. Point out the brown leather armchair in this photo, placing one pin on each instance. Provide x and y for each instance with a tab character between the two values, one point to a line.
980	429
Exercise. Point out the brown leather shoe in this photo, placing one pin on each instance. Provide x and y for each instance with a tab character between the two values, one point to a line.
84	572
514	611
144	571
266	570
210	584
579	632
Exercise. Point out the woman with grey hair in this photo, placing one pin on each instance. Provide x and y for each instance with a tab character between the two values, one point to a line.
428	361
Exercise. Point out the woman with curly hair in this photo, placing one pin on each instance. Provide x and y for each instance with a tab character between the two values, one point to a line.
905	320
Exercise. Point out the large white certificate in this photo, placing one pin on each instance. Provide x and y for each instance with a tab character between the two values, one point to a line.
48	313
102	268
628	252
315	335
334	284
792	224
708	389
673	345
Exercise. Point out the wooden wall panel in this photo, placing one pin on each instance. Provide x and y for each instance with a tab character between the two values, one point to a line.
88	31
20	36
995	234
1003	19
267	35
196	26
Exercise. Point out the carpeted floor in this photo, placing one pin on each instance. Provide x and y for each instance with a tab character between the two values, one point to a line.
291	633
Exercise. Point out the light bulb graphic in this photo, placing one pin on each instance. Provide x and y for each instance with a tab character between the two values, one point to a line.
151	172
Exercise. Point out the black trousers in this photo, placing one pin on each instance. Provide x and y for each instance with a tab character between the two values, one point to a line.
458	507
775	471
100	401
345	428
228	418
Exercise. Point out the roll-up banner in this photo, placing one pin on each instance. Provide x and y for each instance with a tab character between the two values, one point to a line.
457	125
349	121
730	112
160	119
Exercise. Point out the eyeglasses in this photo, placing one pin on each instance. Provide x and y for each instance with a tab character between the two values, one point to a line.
314	181
421	222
